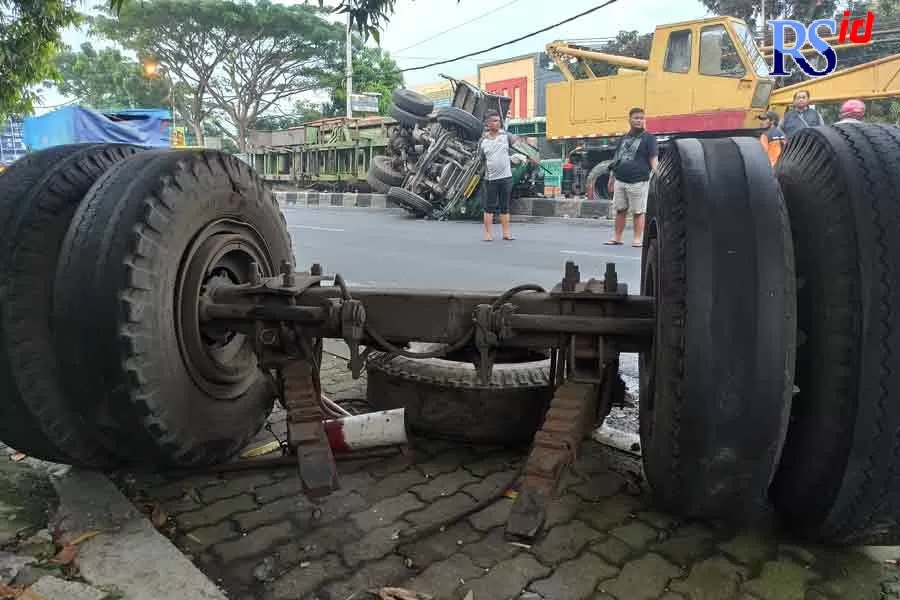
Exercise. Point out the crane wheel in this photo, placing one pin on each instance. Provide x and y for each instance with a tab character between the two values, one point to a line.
444	398
163	388
38	196
839	477
716	383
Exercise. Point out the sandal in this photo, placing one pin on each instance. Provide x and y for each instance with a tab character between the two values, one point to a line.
612	243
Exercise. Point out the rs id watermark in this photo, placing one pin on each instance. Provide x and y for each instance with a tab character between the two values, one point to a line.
858	31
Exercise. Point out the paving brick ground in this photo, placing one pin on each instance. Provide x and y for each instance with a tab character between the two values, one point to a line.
256	535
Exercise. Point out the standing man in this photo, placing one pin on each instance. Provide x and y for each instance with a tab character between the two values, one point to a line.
495	146
852	111
637	156
773	138
801	115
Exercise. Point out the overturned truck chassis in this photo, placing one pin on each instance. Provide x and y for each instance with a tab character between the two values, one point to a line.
288	315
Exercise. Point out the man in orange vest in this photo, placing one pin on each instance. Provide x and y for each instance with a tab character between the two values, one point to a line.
773	138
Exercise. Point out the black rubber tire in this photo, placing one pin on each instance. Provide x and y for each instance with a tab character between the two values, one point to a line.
716	385
116	286
412	102
467	124
405	118
444	398
839	477
596	182
38	196
381	170
412	203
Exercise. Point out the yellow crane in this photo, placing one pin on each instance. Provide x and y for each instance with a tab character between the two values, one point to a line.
704	78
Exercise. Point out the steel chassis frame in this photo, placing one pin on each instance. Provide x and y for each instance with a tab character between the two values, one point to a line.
583	324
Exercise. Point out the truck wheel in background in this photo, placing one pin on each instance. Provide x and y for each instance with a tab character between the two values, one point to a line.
716	384
468	125
597	180
413	203
444	397
412	102
38	196
406	118
164	388
839	477
382	175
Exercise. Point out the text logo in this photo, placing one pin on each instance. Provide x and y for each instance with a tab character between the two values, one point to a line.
858	31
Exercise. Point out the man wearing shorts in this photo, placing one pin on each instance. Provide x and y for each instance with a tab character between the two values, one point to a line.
495	146
637	155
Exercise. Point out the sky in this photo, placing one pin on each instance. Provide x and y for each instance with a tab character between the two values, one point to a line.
424	31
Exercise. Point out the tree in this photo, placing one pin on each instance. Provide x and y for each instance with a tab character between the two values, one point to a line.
749	10
277	52
29	36
374	71
303	113
106	79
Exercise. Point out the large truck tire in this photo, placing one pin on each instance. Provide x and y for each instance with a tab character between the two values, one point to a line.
38	196
839	477
406	118
382	175
412	102
411	202
162	388
597	180
716	384
443	397
468	125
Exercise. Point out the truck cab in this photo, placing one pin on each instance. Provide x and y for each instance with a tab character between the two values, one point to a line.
702	76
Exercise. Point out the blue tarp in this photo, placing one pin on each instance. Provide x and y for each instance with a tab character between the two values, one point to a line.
75	124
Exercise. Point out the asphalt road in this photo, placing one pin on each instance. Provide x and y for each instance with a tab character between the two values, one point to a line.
386	249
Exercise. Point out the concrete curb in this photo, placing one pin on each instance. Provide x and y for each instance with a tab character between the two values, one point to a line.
529	207
128	554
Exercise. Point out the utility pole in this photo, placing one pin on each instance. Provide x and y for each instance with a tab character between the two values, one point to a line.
762	22
349	69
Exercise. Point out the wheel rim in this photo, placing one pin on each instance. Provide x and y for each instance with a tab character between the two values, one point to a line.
221	362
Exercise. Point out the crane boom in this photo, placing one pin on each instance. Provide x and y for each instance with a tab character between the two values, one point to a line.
872	80
560	52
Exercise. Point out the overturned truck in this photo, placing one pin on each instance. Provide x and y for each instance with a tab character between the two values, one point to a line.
152	316
432	166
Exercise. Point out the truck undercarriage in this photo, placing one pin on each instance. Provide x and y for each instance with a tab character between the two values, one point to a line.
152	316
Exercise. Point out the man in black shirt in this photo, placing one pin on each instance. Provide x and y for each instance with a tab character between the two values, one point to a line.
637	155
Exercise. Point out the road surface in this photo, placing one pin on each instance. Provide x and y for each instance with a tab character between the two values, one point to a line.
386	249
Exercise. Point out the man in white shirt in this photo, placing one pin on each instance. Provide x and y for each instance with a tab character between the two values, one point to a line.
495	146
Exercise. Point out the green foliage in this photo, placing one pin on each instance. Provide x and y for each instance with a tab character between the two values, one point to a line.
29	37
303	112
373	71
749	10
106	79
627	43
234	59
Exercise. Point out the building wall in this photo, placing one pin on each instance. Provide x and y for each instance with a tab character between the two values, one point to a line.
441	92
514	78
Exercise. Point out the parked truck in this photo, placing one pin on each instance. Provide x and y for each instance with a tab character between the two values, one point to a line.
704	78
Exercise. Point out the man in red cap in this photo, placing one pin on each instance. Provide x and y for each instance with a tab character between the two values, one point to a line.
852	111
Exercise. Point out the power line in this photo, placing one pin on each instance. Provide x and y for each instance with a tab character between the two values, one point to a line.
455	27
518	39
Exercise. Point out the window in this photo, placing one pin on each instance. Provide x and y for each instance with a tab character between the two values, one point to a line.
718	54
756	57
678	53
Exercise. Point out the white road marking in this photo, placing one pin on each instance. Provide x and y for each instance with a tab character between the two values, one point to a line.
315	228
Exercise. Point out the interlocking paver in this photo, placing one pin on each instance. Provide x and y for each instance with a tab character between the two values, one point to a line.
712	579
253	543
565	542
306	579
575	579
443	485
603	529
387	511
508	578
644	578
375	544
215	512
443	579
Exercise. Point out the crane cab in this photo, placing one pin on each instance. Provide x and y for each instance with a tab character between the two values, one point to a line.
702	75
